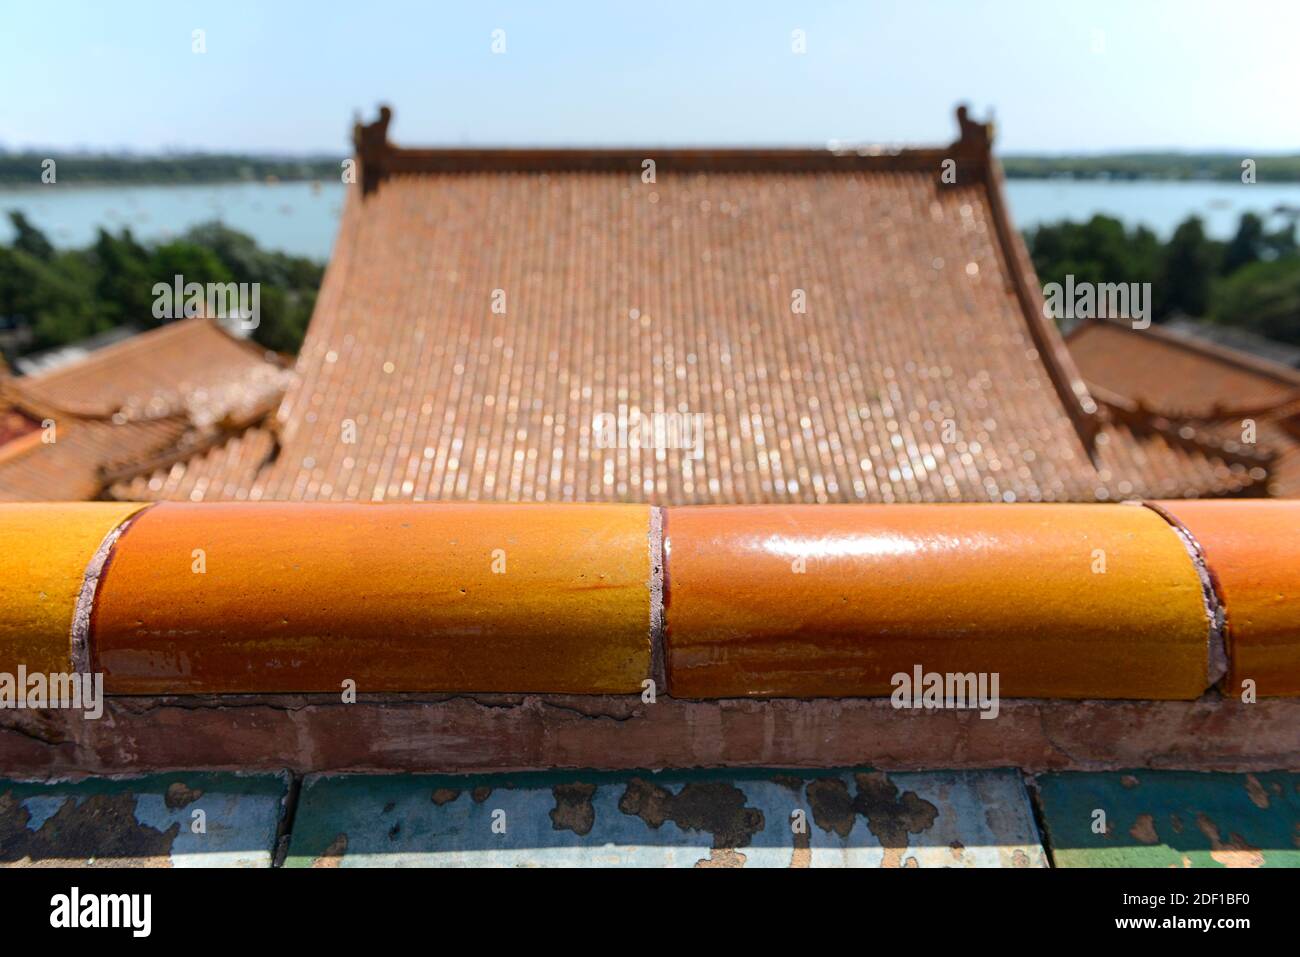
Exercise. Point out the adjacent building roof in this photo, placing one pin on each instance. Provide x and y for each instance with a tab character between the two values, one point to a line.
1205	388
131	408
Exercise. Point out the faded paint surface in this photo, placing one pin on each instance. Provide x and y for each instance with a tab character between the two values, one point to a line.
1069	601
143	822
856	818
1172	819
44	551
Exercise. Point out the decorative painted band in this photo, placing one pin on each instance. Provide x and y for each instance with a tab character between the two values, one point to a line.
1066	601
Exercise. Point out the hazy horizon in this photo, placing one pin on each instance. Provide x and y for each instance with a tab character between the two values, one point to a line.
286	80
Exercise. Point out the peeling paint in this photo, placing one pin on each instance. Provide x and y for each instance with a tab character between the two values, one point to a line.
145	821
889	815
179	796
1172	819
1256	791
573	808
1234	852
716	807
1144	829
670	819
99	830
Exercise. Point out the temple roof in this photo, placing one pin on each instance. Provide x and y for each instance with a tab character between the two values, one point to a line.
842	326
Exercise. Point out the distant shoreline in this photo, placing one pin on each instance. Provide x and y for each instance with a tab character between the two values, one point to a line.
20	169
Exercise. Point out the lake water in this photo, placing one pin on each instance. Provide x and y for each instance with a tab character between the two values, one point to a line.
301	218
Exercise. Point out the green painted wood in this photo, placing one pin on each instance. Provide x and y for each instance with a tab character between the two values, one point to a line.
183	819
1171	819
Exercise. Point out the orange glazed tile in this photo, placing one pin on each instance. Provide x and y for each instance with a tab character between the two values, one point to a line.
1252	549
44	552
1070	601
300	597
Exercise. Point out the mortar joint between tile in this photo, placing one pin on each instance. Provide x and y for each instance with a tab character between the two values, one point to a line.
80	639
1215	610
658	657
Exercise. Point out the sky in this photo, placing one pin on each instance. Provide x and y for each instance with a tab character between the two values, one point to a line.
284	76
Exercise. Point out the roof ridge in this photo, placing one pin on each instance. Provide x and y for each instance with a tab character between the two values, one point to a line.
13	391
380	158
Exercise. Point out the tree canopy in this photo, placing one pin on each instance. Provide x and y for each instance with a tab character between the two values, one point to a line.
1252	281
57	297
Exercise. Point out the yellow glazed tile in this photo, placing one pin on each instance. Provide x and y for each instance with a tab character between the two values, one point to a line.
266	597
44	551
1064	601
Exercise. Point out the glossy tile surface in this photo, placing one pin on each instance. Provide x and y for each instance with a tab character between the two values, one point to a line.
1058	600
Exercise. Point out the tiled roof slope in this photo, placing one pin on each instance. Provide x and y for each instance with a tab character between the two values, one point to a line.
159	397
1198	385
1177	373
922	369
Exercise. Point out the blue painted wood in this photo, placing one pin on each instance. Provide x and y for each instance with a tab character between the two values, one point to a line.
187	819
849	818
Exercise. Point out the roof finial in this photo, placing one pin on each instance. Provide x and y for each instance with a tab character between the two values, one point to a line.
974	135
372	147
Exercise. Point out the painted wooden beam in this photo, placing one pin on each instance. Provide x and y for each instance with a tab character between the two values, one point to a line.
851	818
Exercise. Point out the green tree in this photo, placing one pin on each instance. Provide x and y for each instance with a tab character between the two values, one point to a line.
29	239
1264	298
190	261
1190	261
1247	246
122	286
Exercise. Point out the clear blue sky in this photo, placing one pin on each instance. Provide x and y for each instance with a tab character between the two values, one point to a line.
286	76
